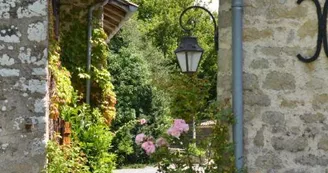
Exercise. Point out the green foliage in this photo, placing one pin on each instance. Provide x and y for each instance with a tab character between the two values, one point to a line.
133	91
62	91
178	160
65	159
145	76
212	154
147	84
189	97
161	24
94	136
218	143
161	27
91	135
73	56
137	98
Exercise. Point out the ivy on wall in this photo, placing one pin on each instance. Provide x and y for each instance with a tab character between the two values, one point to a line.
90	124
74	58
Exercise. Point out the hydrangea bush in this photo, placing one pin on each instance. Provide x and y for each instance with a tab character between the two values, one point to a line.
176	151
149	144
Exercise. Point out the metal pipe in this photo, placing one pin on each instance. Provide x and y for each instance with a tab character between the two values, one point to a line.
237	73
56	10
89	49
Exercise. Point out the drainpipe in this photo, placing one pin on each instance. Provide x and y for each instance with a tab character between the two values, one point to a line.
237	73
89	50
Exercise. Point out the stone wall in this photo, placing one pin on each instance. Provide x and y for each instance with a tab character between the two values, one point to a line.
23	85
286	100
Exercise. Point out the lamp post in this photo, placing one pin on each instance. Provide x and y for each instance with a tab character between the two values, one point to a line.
189	53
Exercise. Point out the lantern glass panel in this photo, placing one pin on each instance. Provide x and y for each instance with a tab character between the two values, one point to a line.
182	61
193	60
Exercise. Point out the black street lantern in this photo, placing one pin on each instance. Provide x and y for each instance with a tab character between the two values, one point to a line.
189	53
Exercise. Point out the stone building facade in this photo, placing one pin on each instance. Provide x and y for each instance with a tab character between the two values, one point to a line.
24	77
23	85
285	100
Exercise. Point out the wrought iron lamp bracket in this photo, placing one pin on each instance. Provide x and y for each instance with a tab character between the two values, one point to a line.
191	22
322	31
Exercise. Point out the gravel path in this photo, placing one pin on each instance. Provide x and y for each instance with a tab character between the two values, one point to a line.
143	170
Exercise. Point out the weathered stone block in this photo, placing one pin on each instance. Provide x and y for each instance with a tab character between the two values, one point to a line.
281	12
320	102
273	117
4	11
260	64
311	131
33	8
314	84
39	106
291	36
251	82
280	62
294	130
308	29
323	143
269	161
225	20
29	56
259	138
325	127
280	81
10	34
292	51
290	144
313	118
271	51
256	98
312	160
36	31
9	72
278	128
291	103
296	171
5	60
249	115
252	34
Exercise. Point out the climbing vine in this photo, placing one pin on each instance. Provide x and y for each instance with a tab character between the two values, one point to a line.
90	124
74	58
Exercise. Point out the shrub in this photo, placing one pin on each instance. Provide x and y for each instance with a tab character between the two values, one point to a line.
212	154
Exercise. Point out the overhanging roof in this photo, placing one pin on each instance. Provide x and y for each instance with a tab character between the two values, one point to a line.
116	12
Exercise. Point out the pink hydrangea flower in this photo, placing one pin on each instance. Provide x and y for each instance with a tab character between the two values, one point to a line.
174	132
149	147
179	126
179	121
143	121
140	138
161	142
